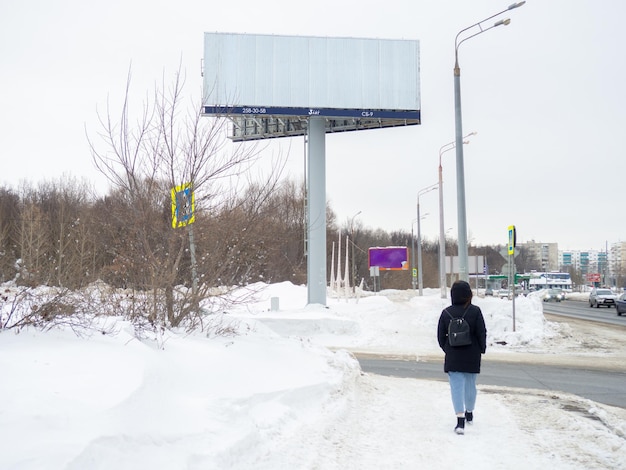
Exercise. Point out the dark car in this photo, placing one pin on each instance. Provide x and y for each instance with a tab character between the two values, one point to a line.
553	295
602	296
620	304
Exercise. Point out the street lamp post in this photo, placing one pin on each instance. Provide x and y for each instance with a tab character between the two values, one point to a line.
420	278
442	236
460	171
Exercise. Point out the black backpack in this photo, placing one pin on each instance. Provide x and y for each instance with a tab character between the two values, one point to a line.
459	330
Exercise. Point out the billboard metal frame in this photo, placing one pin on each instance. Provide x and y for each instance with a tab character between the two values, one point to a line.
268	123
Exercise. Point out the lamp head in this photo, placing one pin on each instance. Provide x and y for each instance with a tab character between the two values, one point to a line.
516	5
504	22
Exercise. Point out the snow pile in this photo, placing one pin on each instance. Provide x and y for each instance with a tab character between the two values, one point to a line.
276	396
394	322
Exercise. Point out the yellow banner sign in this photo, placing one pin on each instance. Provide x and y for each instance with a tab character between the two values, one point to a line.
183	205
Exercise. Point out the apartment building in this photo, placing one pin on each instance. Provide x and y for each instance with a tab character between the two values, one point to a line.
609	264
546	253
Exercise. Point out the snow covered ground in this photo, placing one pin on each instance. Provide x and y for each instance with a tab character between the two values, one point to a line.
285	392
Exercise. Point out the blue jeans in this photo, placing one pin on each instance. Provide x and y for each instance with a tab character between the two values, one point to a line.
463	390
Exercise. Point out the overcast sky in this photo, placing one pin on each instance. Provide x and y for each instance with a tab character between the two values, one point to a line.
545	94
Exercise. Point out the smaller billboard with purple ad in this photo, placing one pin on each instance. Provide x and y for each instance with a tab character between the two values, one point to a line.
391	258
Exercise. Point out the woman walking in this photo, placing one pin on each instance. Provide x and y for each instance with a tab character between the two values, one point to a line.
462	363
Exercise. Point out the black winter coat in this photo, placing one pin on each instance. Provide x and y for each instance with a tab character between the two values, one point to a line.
463	358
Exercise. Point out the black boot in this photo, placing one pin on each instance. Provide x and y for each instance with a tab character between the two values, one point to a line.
469	417
460	425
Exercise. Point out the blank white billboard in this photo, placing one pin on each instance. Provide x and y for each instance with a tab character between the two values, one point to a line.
296	75
476	264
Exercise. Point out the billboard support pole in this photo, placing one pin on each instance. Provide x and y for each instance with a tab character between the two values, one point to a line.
316	213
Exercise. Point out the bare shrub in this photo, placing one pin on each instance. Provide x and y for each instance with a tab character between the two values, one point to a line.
43	309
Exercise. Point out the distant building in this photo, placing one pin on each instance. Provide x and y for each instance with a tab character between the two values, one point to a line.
609	265
547	254
617	263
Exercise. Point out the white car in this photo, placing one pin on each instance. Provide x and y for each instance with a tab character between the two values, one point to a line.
602	296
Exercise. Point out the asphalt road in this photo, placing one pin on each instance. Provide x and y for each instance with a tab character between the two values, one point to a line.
582	311
602	386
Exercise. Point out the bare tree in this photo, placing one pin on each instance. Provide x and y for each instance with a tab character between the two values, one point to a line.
165	147
9	217
55	236
526	260
33	245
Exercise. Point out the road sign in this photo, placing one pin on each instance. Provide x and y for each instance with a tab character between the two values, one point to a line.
183	205
511	240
